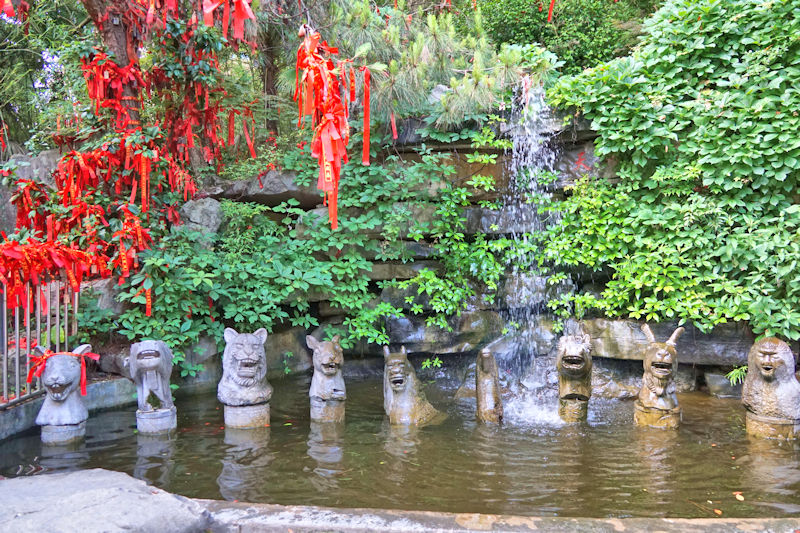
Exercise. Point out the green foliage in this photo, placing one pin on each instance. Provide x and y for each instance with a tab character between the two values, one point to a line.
737	375
582	34
703	123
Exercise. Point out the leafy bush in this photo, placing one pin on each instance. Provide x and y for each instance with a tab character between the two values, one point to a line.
583	33
703	122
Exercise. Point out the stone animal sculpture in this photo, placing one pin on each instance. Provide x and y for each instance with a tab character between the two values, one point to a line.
327	393
487	389
771	392
63	414
244	389
574	365
657	404
244	369
403	399
150	365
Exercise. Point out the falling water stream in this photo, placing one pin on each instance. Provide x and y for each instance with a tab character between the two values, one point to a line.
529	169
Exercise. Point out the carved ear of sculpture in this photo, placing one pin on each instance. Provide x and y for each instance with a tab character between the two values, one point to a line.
39	350
587	340
648	333
82	349
312	342
230	334
403	351
336	339
261	333
673	340
386	352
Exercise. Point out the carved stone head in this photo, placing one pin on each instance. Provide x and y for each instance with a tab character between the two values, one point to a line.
403	399
770	387
574	364
398	372
660	367
661	358
150	355
244	369
61	379
327	355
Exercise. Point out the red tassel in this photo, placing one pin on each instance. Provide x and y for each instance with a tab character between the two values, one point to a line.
394	125
365	153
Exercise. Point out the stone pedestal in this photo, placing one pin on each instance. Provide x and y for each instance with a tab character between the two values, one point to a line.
247	416
767	427
573	411
56	435
157	421
327	410
656	418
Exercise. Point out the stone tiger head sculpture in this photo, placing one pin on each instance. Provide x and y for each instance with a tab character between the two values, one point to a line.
244	369
403	399
660	368
327	383
574	364
61	378
770	387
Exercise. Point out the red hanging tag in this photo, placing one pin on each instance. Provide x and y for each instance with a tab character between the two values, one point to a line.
550	11
394	125
248	139
148	297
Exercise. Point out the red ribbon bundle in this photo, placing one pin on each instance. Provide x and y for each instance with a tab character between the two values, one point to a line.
40	362
241	12
318	92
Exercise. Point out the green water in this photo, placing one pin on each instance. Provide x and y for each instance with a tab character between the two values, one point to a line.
605	468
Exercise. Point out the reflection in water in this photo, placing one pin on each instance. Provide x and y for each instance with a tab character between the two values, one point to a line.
605	468
154	462
245	462
326	447
70	456
775	466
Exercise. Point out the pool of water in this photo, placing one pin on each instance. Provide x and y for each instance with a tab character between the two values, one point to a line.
606	468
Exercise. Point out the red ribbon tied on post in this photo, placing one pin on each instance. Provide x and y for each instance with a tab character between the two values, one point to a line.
40	362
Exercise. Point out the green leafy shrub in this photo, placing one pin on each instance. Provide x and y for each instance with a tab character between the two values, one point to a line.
703	123
583	33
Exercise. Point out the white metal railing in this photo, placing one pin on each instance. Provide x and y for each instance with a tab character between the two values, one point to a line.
48	319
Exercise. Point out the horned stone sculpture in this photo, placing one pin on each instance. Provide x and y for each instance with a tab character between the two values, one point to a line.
244	389
63	414
403	399
150	365
574	365
657	404
487	389
771	392
327	393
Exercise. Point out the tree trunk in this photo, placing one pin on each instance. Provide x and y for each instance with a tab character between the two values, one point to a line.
120	42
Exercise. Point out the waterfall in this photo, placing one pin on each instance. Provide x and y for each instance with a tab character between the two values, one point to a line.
530	171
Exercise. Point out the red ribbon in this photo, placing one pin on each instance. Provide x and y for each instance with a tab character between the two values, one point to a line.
550	11
40	362
365	154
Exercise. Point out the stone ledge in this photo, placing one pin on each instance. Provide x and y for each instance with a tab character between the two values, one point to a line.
255	518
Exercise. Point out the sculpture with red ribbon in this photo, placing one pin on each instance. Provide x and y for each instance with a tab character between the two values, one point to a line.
39	362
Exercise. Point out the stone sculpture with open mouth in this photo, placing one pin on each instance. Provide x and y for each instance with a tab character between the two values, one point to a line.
574	364
403	399
657	404
150	365
327	393
244	389
63	414
771	392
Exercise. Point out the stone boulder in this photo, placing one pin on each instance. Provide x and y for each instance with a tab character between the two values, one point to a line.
95	501
287	350
38	167
204	215
726	345
273	188
471	331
